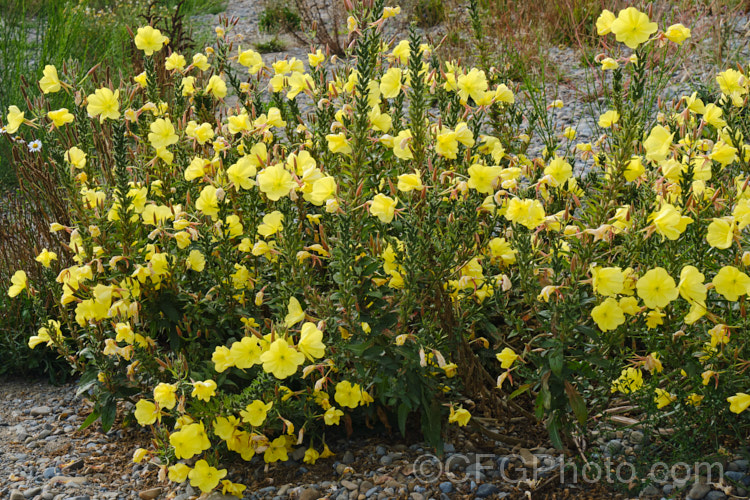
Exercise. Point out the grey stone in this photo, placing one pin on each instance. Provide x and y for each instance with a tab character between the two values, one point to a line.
449	448
32	492
309	494
650	491
667	489
349	485
386	460
698	491
218	496
39	411
614	446
50	472
715	495
381	450
734	475
486	490
446	487
348	458
16	495
636	437
372	491
150	494
298	454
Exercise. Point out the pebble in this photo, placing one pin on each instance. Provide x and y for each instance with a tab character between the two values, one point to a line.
37	411
486	490
715	495
698	491
348	458
150	494
446	487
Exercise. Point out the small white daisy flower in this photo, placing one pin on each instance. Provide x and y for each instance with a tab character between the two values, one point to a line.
35	146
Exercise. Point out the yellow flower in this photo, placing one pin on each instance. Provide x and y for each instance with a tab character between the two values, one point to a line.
60	117
559	170
311	456
15	118
50	82
332	416
234	489
337	143
276	451
604	22
162	133
255	413
19	283
149	40
178	473
146	412
609	118
139	455
311	342
175	61
528	213
609	64
383	207
314	59
204	390
657	288
252	60
200	61
482	178
347	394
669	222
632	27
280	360
634	169
608	315
677	33
390	83
663	398
691	285
410	182
473	84
189	441
275	182
45	257
323	190
721	232
460	416
607	281
217	87
739	402
657	144
222	358
630	380
506	357
730	283
104	104
205	477
208	201
164	394
295	314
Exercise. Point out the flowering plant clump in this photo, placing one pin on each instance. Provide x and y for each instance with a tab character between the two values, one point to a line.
255	256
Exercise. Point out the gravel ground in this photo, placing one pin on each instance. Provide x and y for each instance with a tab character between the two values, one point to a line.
45	456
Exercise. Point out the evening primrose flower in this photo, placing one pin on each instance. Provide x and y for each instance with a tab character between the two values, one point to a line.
473	84
204	477
162	133
721	232
607	281
528	213
657	143
175	61
657	288
663	398
482	178
460	416
217	87
104	103
146	412
311	342
630	380
390	83
60	117
677	33
739	402
275	182
311	456
50	82
149	40
347	394
45	257
632	27
14	118
252	60
383	207
256	412
608	315
669	222
410	182
164	394
276	451
280	360
338	143
332	416
609	118
506	357
604	22
730	283
19	282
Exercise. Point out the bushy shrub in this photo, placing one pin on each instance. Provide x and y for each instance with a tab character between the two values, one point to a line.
330	248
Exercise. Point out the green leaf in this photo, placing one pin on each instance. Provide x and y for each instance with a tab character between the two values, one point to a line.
577	403
519	391
553	427
403	413
89	420
109	412
556	361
